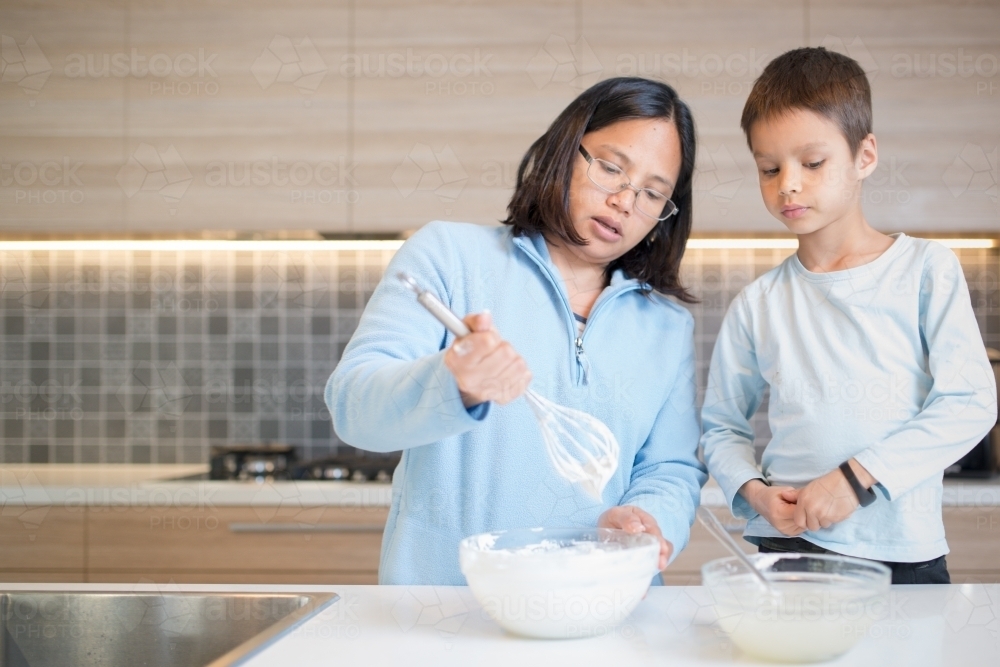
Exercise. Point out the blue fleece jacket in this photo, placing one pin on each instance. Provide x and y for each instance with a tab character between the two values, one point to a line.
467	471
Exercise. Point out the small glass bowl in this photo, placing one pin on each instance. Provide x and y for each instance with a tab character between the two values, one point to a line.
821	605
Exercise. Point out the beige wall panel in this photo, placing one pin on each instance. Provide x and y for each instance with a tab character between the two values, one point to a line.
251	69
51	91
408	180
431	106
707	54
447	100
935	71
941	182
226	182
969	22
726	191
706	50
61	116
65	183
256	87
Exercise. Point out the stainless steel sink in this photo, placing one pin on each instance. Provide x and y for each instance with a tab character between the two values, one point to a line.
42	629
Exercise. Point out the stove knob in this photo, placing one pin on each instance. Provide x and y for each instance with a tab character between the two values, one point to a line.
358	476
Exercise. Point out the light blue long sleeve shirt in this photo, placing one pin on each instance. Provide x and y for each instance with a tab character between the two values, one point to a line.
469	471
883	363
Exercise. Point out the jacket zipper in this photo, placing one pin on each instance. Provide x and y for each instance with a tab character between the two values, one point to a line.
582	363
579	353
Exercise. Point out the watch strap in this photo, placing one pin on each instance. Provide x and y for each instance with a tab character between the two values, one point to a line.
865	496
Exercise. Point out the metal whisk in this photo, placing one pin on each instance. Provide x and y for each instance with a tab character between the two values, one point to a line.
582	449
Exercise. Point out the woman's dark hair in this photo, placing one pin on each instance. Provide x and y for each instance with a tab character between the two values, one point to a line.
540	204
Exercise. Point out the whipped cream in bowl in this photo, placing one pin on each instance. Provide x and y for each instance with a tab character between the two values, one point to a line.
559	583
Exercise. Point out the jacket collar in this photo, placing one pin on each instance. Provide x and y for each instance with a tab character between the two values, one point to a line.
534	246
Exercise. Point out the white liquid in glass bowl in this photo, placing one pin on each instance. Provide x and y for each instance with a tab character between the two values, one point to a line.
820	608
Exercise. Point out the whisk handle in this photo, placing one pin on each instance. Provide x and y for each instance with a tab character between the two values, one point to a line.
444	315
449	319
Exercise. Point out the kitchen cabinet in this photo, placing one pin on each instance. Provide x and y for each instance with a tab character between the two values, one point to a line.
974	537
317	545
42	543
235	544
122	544
321	545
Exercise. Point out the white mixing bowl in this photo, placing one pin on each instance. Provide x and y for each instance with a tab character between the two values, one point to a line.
559	583
822	605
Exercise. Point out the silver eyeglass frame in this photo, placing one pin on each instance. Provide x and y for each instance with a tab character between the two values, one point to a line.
628	184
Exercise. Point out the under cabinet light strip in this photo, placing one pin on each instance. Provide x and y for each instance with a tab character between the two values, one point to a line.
742	244
792	244
970	244
195	245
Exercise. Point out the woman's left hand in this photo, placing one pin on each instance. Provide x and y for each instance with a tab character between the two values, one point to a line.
631	519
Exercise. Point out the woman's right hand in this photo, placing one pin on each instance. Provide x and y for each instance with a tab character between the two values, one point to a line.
486	367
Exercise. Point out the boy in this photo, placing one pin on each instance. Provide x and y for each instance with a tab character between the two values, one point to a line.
878	375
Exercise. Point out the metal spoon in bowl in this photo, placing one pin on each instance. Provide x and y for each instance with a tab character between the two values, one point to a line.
719	532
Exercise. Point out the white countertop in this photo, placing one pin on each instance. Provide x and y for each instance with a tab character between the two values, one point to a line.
66	475
156	485
93	485
440	626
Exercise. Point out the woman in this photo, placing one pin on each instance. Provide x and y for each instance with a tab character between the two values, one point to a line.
572	288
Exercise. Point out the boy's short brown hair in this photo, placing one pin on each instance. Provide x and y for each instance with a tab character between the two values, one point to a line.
812	78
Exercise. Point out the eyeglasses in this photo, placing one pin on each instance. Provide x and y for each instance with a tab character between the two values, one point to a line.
609	177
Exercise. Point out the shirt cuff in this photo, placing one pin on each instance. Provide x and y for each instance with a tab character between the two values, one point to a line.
875	468
739	506
479	410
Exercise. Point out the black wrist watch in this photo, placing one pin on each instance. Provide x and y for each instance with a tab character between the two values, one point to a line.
865	496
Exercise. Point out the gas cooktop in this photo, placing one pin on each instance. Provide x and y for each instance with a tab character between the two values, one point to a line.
263	462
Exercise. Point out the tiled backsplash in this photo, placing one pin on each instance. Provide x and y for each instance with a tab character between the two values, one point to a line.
150	357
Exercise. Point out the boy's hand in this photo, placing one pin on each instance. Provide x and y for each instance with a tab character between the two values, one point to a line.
827	500
775	503
485	366
631	519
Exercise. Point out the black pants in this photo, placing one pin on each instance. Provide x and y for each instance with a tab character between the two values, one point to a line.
926	572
